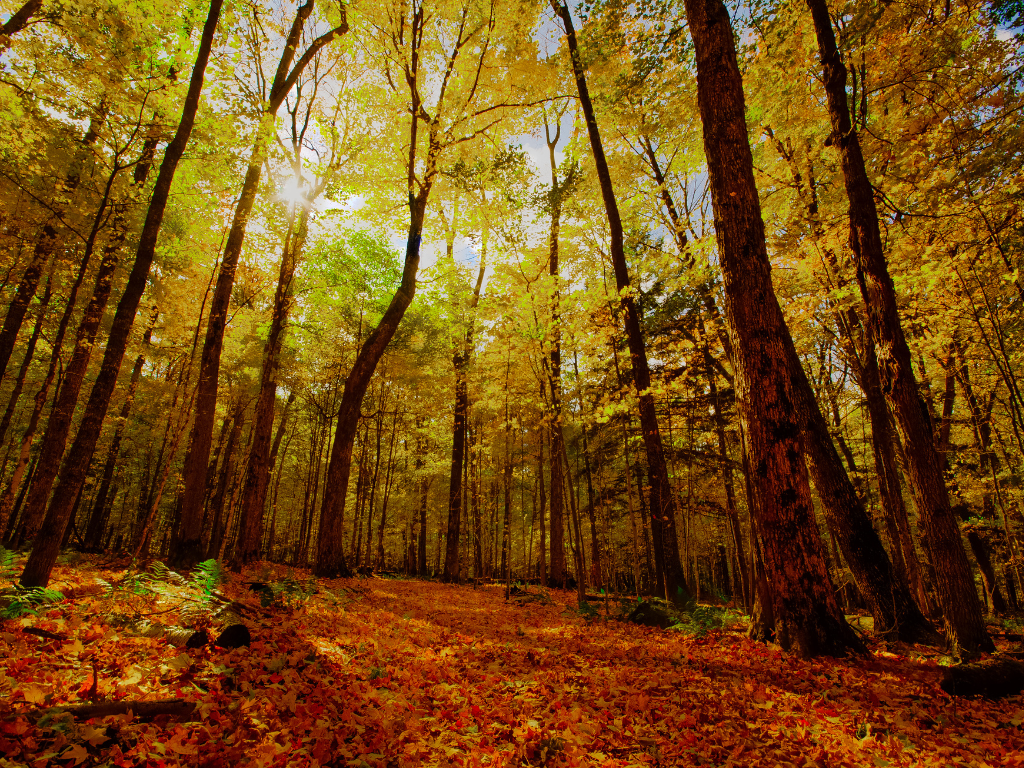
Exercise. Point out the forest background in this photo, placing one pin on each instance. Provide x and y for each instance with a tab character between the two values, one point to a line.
439	288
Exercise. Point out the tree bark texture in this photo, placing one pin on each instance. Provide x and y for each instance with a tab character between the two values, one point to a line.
958	597
807	619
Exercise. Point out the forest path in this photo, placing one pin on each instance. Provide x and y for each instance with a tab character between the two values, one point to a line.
375	672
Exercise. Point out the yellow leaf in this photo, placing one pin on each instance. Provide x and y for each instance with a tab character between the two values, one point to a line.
76	753
33	694
94	735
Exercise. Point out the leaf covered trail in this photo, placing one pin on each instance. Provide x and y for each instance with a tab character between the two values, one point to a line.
377	672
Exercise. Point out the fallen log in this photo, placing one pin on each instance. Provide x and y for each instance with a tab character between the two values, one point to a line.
993	678
176	709
591	597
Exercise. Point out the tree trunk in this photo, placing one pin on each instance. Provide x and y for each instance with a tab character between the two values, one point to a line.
46	244
44	553
807	619
58	426
895	613
958	598
18	21
100	511
227	471
188	545
330	560
257	476
662	502
456	493
554	369
26	362
389	477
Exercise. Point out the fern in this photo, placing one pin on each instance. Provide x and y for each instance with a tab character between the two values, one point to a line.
8	564
25	601
207	576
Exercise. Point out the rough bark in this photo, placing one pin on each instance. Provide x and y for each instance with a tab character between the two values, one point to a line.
76	464
807	619
958	598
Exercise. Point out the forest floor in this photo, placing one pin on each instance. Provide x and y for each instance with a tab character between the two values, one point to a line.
381	672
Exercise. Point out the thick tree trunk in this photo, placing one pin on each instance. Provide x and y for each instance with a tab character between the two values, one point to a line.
807	619
958	598
44	553
895	613
18	21
188	545
663	513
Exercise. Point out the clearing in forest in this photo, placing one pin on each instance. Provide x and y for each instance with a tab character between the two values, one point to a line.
377	672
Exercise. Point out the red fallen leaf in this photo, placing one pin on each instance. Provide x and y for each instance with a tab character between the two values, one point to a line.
15	727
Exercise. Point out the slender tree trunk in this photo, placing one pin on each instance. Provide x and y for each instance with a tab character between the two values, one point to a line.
807	619
257	477
46	244
44	553
188	545
26	362
389	476
456	492
662	501
227	472
958	598
58	426
554	369
100	510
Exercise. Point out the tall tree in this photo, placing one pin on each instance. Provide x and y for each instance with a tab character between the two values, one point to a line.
663	507
76	464
444	104
188	542
958	597
807	619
